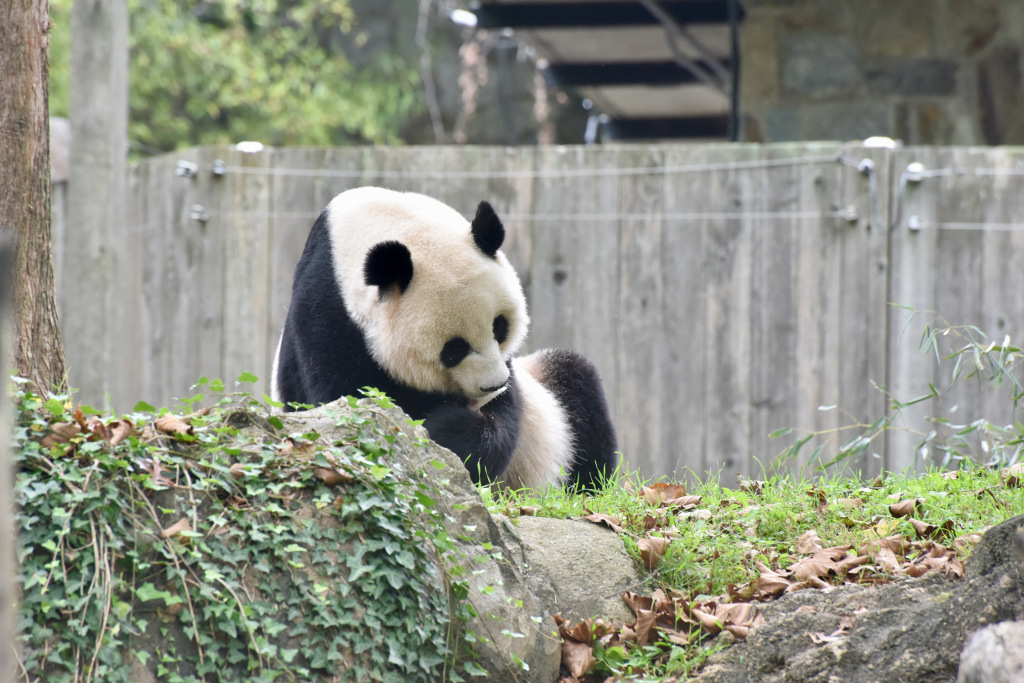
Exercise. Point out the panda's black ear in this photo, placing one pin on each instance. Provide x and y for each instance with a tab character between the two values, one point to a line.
488	232
388	263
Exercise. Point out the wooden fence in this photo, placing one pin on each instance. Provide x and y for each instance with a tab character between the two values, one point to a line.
724	291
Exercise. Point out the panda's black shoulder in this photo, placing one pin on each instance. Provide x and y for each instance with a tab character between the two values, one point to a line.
316	265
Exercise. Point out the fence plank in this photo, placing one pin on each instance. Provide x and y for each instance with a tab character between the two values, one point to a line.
641	301
728	298
684	247
864	305
247	269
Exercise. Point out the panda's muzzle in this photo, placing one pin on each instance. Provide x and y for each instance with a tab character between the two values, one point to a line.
491	390
490	395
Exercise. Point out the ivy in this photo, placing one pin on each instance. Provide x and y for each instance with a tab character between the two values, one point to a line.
222	553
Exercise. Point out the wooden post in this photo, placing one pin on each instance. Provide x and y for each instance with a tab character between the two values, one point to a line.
8	590
96	188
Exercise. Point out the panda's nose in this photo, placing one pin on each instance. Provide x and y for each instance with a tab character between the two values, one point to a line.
490	390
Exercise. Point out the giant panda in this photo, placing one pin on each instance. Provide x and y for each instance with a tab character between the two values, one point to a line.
398	291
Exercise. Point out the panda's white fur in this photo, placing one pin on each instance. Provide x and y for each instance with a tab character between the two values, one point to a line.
456	290
544	453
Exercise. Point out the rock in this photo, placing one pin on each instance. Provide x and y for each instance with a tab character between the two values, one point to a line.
512	622
578	568
995	654
907	631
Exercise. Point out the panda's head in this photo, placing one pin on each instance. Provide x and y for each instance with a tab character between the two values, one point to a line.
440	306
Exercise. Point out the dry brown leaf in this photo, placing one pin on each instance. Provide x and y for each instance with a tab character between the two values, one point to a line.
851	503
291	446
848	563
651	522
172	424
750	485
237	470
926	530
905	508
529	511
331	476
952	474
808	542
657	494
613	523
644	625
684	502
811	567
886	559
119	430
1013	476
62	432
176	528
577	658
651	550
819	495
637	602
897	544
966	541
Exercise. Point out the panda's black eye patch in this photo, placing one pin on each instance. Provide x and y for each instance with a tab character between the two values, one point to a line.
454	351
501	329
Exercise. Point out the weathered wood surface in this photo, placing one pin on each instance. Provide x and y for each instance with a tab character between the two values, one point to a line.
724	291
8	545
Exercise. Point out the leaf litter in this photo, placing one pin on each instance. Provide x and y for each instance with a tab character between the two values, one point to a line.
687	619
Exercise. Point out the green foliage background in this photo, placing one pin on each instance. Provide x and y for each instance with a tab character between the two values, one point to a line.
231	70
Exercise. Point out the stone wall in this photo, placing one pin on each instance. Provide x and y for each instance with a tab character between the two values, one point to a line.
936	72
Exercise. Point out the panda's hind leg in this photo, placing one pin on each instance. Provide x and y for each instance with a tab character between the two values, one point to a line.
577	386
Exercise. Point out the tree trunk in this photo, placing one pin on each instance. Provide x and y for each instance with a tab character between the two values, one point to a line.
38	348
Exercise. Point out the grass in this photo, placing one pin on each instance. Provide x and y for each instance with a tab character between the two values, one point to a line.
726	540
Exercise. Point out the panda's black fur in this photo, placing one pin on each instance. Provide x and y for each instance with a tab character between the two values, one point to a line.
324	353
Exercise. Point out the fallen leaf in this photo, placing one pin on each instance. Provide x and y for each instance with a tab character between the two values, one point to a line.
292	446
119	430
820	495
850	502
613	523
750	485
651	550
657	494
531	511
813	567
1013	476
896	544
60	433
237	470
952	474
905	508
176	528
848	563
926	530
331	476
808	542
174	425
684	502
577	658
